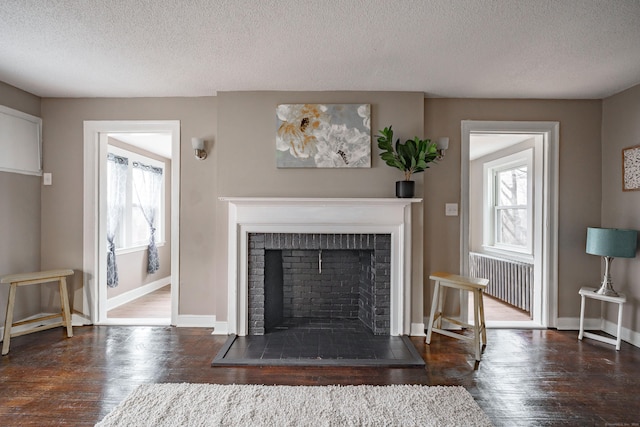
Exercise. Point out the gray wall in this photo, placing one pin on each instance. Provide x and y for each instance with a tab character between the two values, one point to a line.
241	163
62	203
579	193
621	209
19	218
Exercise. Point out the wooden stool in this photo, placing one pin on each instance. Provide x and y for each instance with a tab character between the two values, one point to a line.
33	279
471	284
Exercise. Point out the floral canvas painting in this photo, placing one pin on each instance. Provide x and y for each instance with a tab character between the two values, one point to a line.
323	136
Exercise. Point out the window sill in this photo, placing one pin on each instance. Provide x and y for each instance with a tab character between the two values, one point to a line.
133	249
512	255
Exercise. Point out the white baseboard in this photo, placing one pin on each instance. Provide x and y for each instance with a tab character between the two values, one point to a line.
445	325
80	320
136	293
195	321
573	324
76	320
220	328
137	321
28	327
417	330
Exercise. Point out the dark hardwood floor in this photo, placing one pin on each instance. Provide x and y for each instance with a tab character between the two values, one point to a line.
526	377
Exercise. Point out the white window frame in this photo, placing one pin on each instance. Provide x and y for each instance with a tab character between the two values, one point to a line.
124	234
490	187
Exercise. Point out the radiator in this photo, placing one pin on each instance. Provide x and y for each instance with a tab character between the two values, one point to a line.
509	281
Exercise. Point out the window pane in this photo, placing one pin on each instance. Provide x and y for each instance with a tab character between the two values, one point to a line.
147	202
116	198
139	227
511	227
512	186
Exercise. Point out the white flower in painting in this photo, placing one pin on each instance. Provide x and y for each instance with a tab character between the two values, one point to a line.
300	124
341	147
364	111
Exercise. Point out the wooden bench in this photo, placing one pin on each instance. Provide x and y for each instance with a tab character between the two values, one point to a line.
473	285
25	279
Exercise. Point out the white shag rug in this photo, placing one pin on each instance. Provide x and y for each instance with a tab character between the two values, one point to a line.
258	405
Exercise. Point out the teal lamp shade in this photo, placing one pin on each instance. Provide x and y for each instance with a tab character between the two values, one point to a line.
611	243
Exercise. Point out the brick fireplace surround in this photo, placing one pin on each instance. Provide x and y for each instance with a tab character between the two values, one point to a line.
253	216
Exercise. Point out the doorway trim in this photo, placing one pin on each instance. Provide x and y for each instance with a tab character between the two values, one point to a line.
551	131
91	208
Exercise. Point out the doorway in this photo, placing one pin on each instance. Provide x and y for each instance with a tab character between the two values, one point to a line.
150	152
509	219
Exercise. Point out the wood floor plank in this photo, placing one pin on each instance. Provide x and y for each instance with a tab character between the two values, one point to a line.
526	377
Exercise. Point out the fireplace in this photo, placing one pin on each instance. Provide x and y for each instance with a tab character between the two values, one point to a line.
319	277
291	218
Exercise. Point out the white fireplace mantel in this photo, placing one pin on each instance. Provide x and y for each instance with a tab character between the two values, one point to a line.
319	215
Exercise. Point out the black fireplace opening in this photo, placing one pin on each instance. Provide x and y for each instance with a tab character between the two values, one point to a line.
338	282
328	286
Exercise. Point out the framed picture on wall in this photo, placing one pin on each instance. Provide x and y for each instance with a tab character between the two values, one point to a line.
323	136
631	168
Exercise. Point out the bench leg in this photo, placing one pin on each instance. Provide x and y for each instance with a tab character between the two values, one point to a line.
8	322
442	295
434	305
476	323
64	302
482	319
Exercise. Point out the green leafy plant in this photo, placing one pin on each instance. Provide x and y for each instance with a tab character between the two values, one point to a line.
411	157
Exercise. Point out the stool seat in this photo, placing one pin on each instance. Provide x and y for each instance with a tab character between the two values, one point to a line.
25	279
476	287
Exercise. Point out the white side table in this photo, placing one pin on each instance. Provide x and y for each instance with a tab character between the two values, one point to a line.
620	300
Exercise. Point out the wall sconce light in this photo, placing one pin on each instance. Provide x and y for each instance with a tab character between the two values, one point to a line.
610	243
198	147
442	145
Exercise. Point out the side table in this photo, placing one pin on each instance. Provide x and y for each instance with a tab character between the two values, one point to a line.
586	292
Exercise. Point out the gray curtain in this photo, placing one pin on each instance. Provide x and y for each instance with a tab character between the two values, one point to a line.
147	183
116	198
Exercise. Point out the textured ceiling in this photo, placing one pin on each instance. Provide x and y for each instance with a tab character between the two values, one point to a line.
449	48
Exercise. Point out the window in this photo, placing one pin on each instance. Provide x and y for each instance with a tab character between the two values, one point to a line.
508	224
136	199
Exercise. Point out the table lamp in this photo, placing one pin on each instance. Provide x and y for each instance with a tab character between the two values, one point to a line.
611	243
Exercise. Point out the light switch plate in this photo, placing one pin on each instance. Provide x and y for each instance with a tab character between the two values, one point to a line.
46	178
451	209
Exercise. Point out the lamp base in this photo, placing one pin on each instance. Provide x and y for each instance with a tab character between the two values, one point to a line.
607	290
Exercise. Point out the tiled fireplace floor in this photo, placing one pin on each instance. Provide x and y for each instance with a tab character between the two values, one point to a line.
318	342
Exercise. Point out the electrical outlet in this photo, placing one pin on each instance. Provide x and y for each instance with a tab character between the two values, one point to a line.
451	209
46	178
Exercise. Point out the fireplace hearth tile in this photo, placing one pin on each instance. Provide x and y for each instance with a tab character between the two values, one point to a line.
310	346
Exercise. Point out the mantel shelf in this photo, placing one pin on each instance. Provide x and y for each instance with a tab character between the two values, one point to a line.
320	200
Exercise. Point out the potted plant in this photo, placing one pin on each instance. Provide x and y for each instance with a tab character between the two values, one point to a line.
411	157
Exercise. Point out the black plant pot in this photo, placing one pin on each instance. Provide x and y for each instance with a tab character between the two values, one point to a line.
405	189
